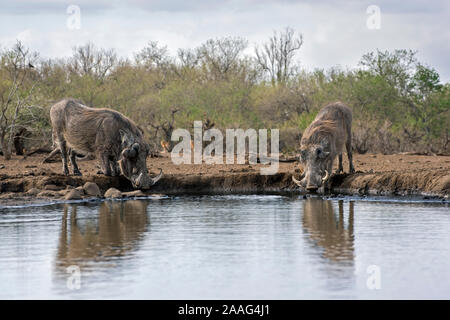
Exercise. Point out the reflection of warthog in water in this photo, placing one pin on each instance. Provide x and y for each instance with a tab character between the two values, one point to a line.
115	140
328	230
322	141
119	227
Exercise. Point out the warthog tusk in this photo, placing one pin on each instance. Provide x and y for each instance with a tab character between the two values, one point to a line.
156	178
327	175
296	181
137	181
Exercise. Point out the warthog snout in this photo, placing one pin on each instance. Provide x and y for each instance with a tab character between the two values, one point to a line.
311	180
144	181
322	179
133	164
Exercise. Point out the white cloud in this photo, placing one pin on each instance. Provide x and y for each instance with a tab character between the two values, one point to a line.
333	34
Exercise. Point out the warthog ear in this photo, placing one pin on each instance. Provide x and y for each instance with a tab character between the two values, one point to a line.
129	152
127	139
132	151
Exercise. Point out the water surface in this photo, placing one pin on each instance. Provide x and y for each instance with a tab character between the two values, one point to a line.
226	247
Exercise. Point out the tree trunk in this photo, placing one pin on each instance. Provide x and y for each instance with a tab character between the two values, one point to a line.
18	141
5	149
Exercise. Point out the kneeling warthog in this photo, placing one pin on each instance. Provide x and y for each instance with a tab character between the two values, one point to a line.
115	140
321	142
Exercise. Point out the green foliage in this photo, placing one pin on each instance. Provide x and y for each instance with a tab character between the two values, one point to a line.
398	104
305	119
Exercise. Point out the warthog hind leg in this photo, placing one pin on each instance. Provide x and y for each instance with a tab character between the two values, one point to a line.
348	146
63	147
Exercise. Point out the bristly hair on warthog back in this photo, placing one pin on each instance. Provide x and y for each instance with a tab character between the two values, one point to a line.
115	140
321	142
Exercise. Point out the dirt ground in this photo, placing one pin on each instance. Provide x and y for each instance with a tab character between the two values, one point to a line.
398	174
368	163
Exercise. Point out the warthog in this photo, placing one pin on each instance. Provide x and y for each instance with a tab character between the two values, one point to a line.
321	142
115	140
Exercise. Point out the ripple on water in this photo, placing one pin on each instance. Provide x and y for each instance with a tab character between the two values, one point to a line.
229	246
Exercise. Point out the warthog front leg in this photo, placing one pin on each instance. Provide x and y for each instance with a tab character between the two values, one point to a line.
115	169
104	163
340	166
73	162
327	185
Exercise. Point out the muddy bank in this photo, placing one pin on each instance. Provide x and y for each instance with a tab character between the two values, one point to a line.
393	183
28	180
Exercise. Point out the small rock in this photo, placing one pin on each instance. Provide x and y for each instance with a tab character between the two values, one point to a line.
2	166
52	187
33	191
64	192
136	193
92	189
73	194
80	188
113	193
8	195
48	194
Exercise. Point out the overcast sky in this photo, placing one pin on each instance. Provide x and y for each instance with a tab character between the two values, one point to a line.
335	33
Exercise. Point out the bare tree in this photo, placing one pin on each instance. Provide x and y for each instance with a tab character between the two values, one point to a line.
189	58
221	56
153	56
276	57
17	71
88	60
